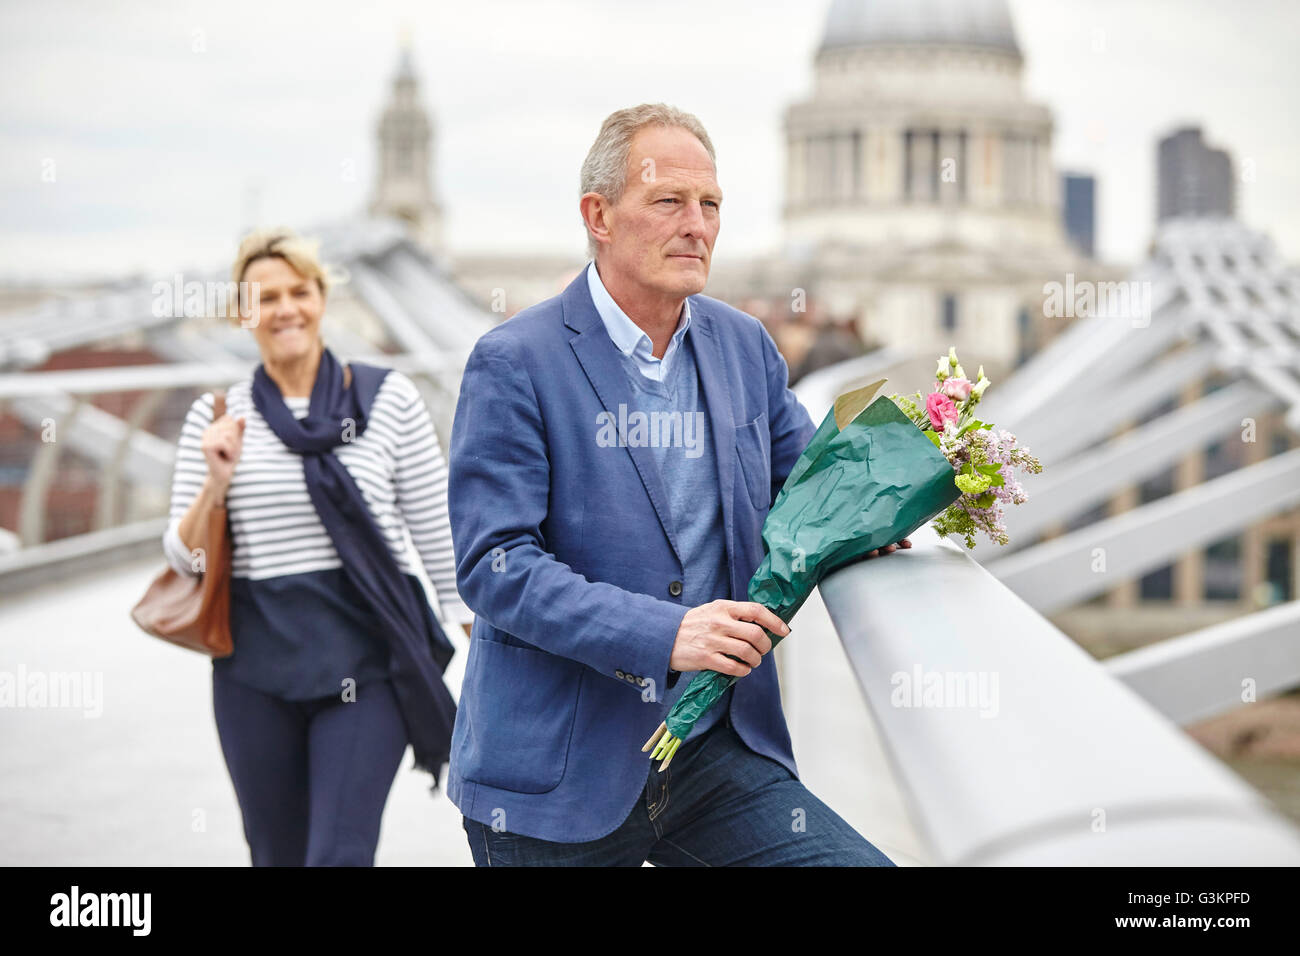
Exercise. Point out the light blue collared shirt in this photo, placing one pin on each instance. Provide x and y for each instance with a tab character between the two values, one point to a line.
628	336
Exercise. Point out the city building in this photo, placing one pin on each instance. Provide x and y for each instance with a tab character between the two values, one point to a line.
1079	215
1192	179
921	200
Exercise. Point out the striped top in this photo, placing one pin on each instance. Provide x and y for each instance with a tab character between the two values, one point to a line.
397	464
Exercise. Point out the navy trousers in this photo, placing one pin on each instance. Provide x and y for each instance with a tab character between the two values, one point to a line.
311	777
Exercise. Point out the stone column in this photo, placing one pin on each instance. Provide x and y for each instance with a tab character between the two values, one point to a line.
1046	179
796	171
883	164
816	178
921	165
986	168
843	166
950	159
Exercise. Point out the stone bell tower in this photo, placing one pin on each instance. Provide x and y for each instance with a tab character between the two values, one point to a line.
404	181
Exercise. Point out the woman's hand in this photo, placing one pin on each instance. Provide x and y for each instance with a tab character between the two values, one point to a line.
222	443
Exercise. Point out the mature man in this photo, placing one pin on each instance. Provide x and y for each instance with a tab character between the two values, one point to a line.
614	453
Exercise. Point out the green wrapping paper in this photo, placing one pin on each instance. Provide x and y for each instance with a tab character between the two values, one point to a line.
868	478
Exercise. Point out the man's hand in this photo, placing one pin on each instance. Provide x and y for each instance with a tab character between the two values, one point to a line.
712	631
889	549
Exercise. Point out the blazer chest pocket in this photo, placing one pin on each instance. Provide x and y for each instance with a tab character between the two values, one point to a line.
753	448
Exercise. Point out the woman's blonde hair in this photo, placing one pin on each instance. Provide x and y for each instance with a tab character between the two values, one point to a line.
302	255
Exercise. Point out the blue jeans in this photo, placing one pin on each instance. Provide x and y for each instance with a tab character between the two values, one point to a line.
717	804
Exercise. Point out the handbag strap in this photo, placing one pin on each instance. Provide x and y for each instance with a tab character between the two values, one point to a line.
218	404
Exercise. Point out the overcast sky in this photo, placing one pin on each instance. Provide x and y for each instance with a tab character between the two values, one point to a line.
169	127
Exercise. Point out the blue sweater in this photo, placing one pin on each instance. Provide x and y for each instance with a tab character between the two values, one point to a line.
676	428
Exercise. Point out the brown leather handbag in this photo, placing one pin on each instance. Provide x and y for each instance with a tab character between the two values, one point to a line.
194	612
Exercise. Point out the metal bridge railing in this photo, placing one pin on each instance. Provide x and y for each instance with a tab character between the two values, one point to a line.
1014	747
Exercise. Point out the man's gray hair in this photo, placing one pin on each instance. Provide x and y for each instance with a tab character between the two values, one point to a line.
604	171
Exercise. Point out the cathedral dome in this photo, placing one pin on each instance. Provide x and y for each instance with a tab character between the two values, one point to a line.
970	23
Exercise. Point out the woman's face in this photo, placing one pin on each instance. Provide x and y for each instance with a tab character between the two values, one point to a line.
290	309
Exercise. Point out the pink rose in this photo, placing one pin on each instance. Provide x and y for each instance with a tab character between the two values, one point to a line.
958	389
941	409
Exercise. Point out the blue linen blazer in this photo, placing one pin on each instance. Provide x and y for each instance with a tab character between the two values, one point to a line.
565	552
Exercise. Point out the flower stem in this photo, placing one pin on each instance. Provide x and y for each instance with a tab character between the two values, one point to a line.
666	744
672	749
662	747
654	738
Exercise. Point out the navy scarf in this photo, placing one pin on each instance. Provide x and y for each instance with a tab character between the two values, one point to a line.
418	649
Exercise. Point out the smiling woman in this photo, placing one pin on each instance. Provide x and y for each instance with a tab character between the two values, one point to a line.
321	470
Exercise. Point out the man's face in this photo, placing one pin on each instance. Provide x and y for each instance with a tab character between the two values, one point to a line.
663	227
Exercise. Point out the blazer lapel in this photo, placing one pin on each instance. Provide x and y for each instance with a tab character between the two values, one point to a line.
601	361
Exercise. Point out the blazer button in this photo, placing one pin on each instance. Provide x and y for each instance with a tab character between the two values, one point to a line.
675	588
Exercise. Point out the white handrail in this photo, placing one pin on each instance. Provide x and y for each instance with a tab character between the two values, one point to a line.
1014	746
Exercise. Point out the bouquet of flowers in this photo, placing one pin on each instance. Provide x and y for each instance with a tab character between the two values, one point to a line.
875	471
985	459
